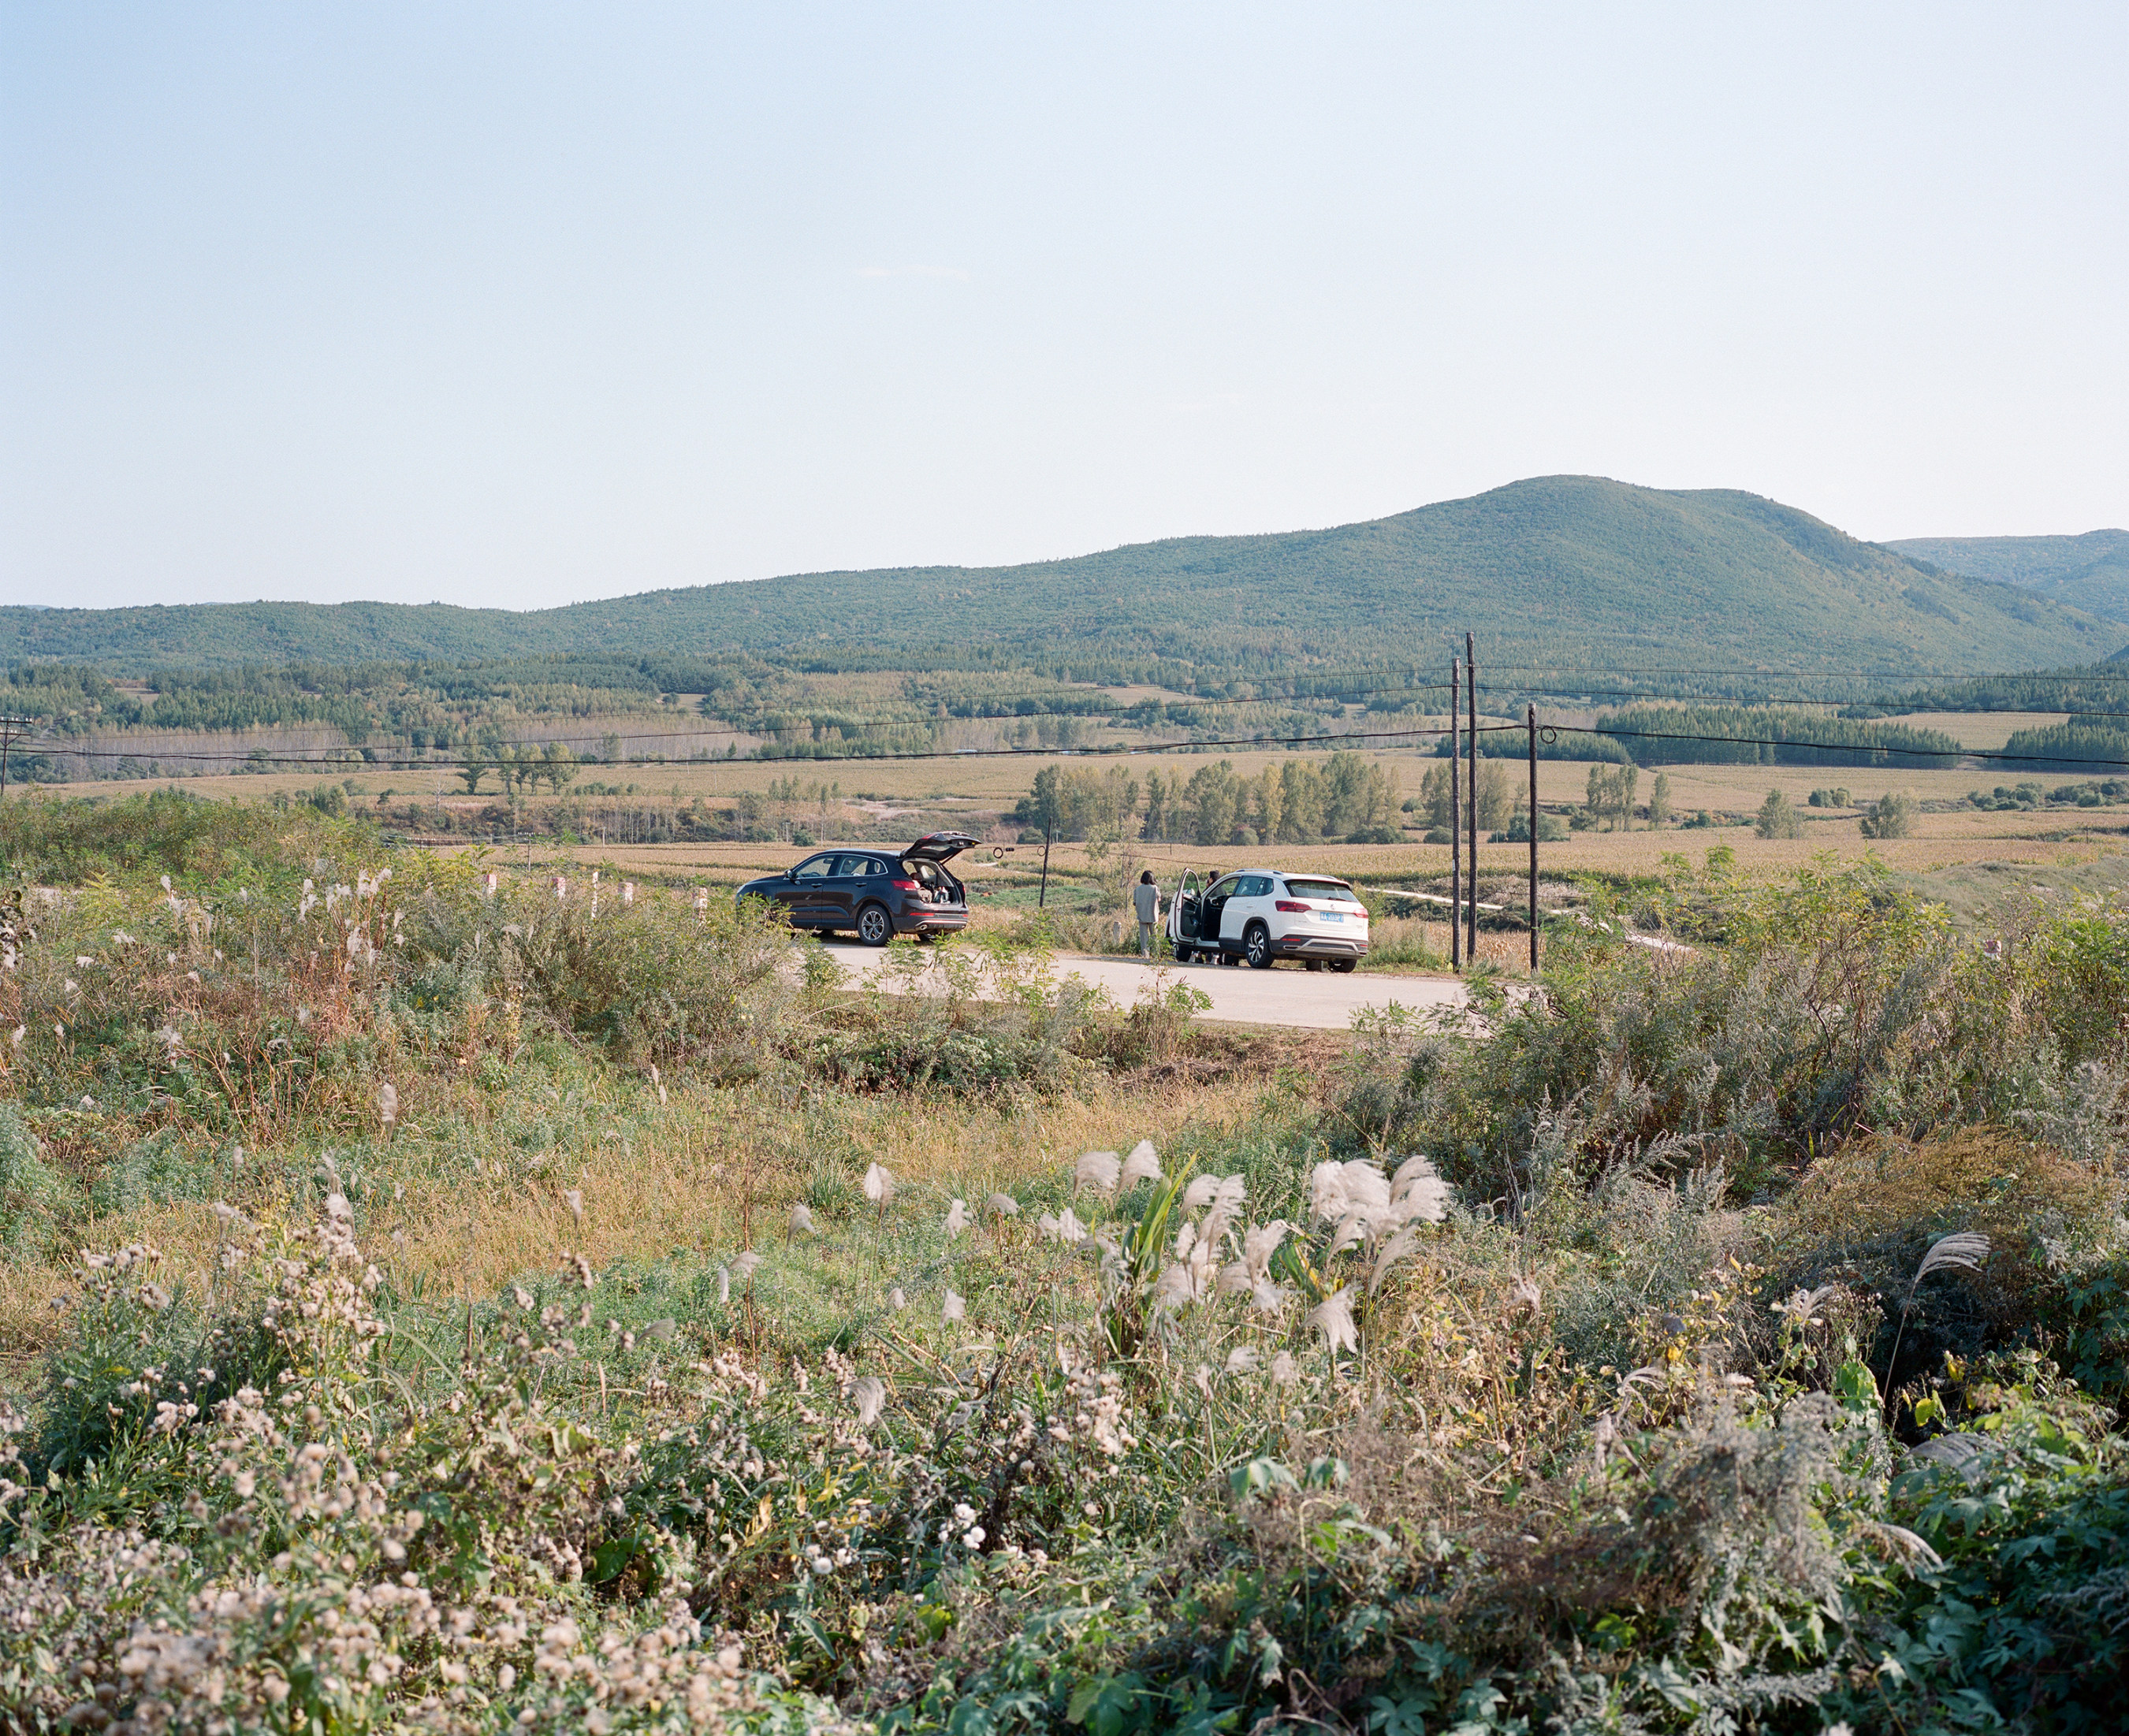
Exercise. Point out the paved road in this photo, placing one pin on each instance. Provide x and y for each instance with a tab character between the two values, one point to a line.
1284	995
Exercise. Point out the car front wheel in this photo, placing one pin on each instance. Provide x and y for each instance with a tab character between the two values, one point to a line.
1256	946
875	927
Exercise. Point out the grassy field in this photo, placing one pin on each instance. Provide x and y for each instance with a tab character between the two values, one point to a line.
433	1308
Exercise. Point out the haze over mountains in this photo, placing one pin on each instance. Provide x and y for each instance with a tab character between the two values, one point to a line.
1559	572
2089	572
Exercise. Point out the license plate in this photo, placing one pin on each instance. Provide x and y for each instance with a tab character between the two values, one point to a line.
1329	917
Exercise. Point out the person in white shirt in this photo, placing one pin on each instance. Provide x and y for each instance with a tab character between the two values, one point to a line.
1146	898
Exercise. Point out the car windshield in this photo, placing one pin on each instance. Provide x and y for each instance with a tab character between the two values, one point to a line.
1330	891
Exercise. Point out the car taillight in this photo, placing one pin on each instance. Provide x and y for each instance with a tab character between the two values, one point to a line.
905	886
1288	904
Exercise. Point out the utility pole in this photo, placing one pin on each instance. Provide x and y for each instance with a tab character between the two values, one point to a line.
1471	691
13	729
1455	816
1042	897
1533	835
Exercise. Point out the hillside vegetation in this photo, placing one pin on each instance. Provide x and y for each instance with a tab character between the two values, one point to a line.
2089	572
475	1313
1571	573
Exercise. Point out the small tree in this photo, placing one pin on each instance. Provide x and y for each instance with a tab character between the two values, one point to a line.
1660	799
1777	817
1893	817
558	765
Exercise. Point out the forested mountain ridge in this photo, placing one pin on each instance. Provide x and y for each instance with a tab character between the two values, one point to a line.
1564	573
2089	572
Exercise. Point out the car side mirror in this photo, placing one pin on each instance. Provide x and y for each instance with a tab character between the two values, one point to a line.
790	874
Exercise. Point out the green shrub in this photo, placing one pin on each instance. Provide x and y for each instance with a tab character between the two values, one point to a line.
35	1201
1778	818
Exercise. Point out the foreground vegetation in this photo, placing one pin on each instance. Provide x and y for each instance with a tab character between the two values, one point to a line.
480	1312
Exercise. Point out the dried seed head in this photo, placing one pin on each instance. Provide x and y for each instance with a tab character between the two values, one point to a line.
1142	1165
1098	1169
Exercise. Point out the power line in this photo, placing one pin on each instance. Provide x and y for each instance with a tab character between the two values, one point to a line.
1107	750
1828	747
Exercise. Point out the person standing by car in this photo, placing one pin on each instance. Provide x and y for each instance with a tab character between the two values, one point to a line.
1145	899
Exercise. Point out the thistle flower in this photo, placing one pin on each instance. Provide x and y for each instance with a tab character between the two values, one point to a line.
801	1218
1098	1169
1142	1165
1002	1205
955	1309
958	1219
1333	1317
878	1185
868	1395
1802	1306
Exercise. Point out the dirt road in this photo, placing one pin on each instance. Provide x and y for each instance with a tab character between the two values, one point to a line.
1284	995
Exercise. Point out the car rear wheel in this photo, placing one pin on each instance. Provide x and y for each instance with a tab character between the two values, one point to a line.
1343	967
1184	955
875	927
1256	946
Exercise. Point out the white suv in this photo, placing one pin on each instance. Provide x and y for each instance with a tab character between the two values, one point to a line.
1263	916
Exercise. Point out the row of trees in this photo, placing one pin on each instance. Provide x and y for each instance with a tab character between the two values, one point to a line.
1295	801
520	765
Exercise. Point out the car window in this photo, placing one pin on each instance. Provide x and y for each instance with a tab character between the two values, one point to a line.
851	868
814	867
1332	892
1253	885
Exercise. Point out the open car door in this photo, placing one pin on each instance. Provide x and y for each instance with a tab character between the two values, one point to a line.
1183	915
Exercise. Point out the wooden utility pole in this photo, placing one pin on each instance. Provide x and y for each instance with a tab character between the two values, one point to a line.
1455	816
1533	836
1042	897
1471	692
12	730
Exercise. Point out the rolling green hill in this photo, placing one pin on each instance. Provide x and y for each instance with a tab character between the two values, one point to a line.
1560	573
2089	572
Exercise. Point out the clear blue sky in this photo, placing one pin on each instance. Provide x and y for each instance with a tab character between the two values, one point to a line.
519	304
